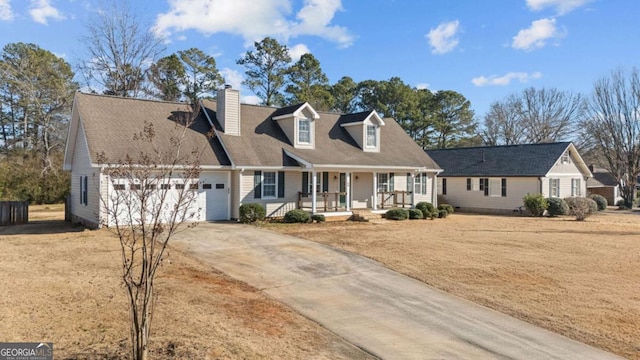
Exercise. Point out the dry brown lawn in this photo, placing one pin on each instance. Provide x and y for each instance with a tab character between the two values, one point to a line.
61	284
580	279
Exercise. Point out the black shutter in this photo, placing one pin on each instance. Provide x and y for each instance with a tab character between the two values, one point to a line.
305	182
280	184
391	182
257	184
504	187
409	185
86	191
424	183
325	181
481	184
444	186
81	192
486	187
468	184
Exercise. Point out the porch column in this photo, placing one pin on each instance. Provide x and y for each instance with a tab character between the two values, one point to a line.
434	190
413	189
314	181
375	191
347	187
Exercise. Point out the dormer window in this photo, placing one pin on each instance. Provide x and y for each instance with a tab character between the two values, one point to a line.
304	131
372	136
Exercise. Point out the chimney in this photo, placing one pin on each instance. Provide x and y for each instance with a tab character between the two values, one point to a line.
228	111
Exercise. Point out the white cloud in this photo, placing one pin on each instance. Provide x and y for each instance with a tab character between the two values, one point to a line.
561	6
232	77
537	35
443	38
297	51
254	19
251	99
505	79
42	10
6	14
422	86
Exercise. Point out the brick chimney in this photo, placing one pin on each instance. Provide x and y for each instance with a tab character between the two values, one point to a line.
228	111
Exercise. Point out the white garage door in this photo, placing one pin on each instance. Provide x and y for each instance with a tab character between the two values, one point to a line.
215	189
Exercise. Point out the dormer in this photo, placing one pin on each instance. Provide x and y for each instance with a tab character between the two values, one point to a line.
364	128
299	124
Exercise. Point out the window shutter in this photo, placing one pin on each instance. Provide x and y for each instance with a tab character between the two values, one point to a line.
305	182
257	184
81	189
468	184
280	184
486	187
409	185
504	187
86	183
424	183
325	181
444	186
391	182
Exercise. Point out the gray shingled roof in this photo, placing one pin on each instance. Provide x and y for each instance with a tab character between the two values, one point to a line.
110	123
601	178
263	143
511	160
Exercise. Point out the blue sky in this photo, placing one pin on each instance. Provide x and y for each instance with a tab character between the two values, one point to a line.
483	49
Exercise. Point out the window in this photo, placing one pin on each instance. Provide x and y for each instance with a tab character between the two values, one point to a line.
218	186
304	131
83	190
495	187
566	159
319	179
383	182
442	189
150	186
118	187
179	186
194	186
575	187
165	186
420	184
206	186
554	187
135	187
482	184
269	184
372	138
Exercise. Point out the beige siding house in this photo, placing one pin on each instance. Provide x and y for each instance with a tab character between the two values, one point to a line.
496	178
283	158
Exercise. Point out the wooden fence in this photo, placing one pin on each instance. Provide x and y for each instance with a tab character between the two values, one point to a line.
14	212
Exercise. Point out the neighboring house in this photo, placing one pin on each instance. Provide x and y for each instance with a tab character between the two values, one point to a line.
605	184
283	158
496	178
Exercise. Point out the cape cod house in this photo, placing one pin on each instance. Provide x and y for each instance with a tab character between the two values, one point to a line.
496	178
283	158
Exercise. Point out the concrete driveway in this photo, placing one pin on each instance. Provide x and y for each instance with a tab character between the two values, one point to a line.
381	311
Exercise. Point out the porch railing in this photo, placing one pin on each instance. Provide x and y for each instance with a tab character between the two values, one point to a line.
325	201
391	199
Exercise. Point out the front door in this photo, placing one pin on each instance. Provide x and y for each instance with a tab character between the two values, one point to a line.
343	188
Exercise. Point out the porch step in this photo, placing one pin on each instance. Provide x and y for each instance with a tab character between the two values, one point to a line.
364	215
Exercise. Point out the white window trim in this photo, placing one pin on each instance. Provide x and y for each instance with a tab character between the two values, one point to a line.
310	183
375	136
495	187
417	184
263	183
386	183
576	187
308	121
551	187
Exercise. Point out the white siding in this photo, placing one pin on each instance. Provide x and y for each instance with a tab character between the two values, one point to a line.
564	172
517	187
81	166
274	207
428	197
362	194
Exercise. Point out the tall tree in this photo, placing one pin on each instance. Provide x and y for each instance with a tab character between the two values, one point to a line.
39	91
119	48
201	78
308	83
613	126
344	94
533	116
165	77
266	67
453	121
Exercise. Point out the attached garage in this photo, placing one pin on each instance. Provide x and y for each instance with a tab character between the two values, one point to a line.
215	194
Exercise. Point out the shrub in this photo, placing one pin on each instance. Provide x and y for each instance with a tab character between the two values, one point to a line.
415	214
446	207
442	213
581	207
318	218
557	206
397	214
428	210
600	200
250	213
622	205
535	203
297	216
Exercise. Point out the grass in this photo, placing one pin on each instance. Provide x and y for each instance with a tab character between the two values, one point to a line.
579	279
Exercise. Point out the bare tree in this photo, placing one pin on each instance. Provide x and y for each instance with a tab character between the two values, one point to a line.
613	126
119	50
533	116
152	195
